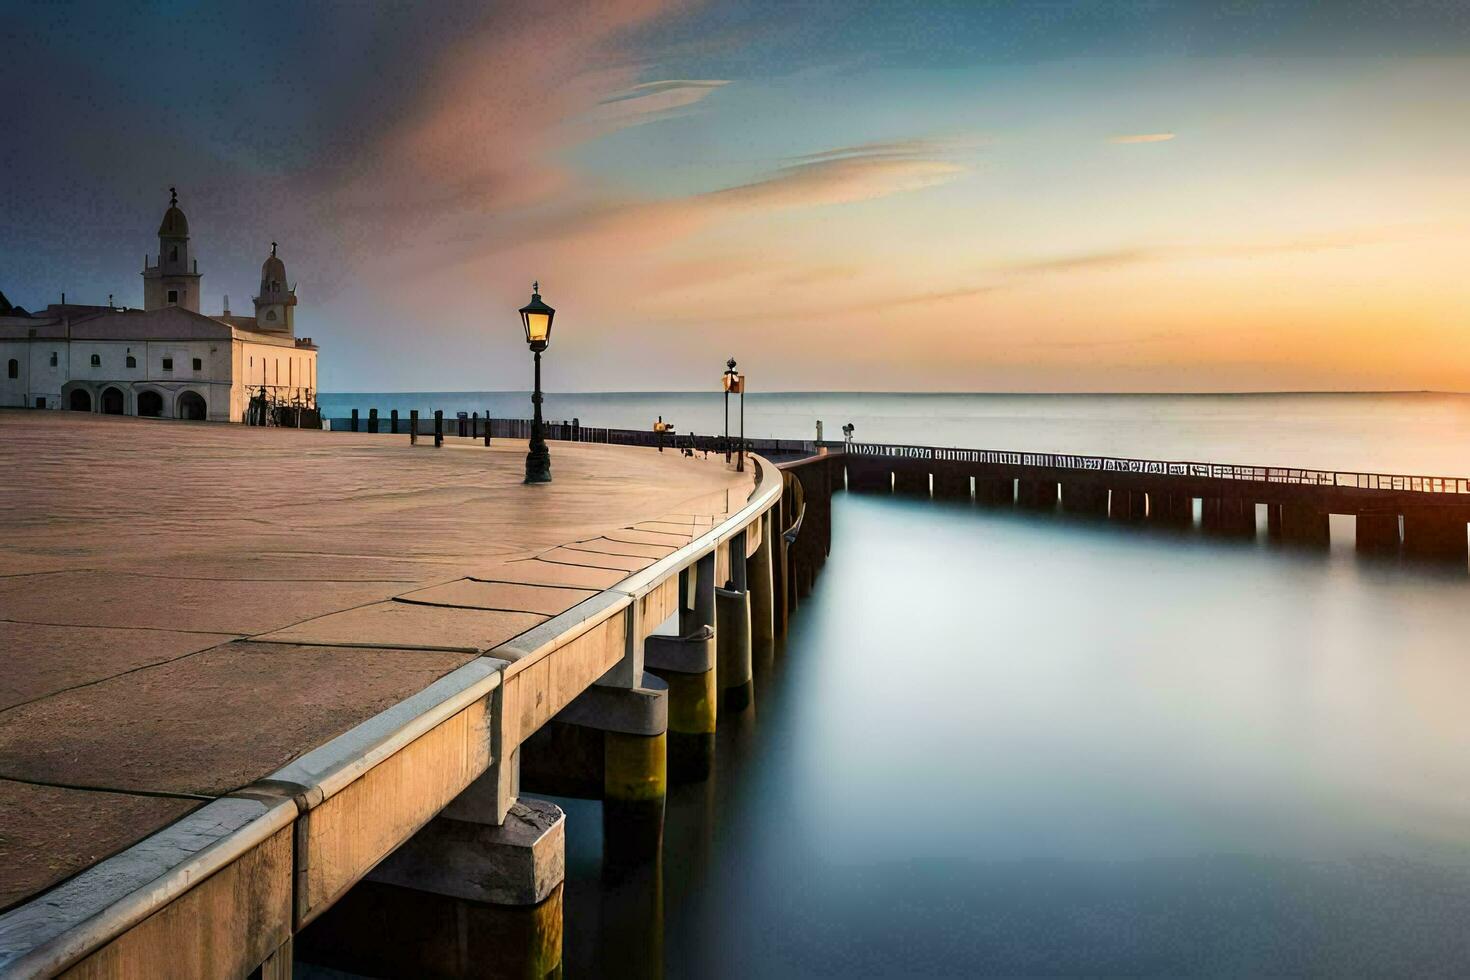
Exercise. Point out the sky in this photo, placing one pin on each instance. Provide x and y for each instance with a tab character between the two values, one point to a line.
908	196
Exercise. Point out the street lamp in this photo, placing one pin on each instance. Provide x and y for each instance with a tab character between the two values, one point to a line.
734	385
728	379
536	317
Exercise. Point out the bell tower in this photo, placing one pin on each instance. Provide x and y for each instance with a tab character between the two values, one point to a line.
174	280
276	304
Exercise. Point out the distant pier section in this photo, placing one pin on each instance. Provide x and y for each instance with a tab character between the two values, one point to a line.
1426	516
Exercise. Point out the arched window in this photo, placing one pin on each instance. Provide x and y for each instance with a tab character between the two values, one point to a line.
96	360
12	370
270	315
132	361
173	254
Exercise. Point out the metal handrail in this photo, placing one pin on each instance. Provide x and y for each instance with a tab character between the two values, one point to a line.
1214	471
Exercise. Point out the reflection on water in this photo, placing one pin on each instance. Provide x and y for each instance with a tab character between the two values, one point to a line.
997	742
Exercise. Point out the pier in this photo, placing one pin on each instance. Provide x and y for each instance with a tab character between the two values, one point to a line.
1423	516
249	668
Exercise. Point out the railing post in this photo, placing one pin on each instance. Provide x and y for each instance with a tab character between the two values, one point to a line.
438	427
413	427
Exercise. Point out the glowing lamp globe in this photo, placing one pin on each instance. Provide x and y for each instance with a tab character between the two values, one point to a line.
536	318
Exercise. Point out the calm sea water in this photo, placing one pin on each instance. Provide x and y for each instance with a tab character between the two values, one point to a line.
1420	433
1007	743
1001	743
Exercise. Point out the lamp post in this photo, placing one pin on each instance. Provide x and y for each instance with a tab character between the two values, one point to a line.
740	452
536	318
734	385
728	380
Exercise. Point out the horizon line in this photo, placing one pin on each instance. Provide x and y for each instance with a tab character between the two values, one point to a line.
857	391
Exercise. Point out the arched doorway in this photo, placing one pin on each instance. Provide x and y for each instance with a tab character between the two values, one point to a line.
191	406
80	400
150	404
112	401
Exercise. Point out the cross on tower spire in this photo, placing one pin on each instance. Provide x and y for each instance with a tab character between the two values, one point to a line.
273	248
173	197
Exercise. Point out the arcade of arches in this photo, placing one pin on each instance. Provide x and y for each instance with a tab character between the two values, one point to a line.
189	405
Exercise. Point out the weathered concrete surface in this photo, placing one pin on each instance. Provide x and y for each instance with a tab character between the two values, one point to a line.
504	596
62	657
519	862
212	722
120	599
52	833
626	549
397	624
145	562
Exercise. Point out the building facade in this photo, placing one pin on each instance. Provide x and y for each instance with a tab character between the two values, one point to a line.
168	359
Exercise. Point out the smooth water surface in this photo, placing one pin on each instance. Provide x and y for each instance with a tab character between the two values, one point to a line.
997	742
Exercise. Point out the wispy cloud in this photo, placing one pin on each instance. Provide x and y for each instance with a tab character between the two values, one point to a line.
646	89
841	180
1304	244
651	101
907	149
1081	261
1141	138
846	179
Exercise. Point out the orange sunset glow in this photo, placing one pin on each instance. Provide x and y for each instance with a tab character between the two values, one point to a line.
1130	201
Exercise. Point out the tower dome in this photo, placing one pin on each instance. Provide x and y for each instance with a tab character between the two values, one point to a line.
275	304
272	273
175	280
174	224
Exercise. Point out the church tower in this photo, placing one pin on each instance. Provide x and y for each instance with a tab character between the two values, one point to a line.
277	300
173	280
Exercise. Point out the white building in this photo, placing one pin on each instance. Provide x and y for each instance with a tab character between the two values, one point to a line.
167	359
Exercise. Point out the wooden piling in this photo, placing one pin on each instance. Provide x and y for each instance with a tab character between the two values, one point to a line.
1435	533
1377	533
1036	494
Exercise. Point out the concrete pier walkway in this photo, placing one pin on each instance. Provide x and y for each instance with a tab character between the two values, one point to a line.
216	635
